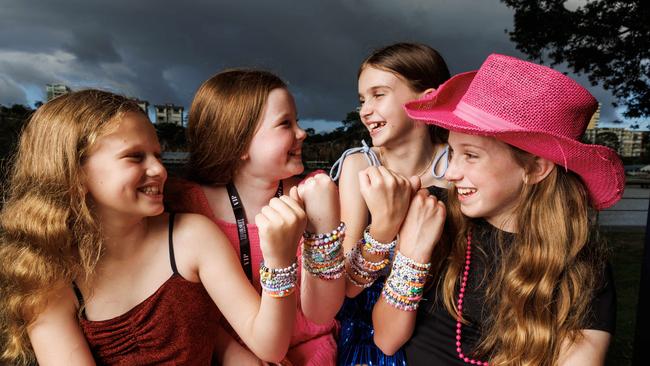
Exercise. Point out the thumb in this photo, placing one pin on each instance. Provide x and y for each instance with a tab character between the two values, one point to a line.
294	194
415	183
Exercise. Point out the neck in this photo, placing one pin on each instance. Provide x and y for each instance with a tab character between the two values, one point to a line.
508	225
254	191
122	236
409	157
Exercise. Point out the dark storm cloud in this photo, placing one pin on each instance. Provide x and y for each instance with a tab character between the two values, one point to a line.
162	50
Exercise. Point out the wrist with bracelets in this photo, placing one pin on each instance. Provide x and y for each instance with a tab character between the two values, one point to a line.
361	268
322	254
279	282
405	284
372	246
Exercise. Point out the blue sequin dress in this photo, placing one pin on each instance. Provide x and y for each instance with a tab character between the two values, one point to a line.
356	345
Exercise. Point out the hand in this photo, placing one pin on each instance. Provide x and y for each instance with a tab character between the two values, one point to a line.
321	198
387	195
280	224
422	227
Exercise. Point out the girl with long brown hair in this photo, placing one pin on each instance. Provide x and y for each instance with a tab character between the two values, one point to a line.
92	270
245	148
525	281
389	77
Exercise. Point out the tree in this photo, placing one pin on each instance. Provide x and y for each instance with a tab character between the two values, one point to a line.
607	40
171	136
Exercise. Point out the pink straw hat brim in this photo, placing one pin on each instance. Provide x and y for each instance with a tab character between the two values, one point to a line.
599	167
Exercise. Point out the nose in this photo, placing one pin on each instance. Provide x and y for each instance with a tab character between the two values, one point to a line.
454	171
300	133
155	167
365	109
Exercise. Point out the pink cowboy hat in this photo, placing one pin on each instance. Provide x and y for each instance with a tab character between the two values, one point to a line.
532	107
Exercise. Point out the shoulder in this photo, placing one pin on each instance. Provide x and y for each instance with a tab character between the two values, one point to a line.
59	304
197	239
194	227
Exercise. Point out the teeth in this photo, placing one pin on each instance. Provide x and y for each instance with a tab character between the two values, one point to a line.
153	190
376	125
465	191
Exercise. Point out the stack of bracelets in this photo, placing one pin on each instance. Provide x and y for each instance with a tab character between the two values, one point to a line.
279	282
362	268
322	254
405	285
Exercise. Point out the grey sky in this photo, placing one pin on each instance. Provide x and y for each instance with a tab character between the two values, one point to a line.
161	51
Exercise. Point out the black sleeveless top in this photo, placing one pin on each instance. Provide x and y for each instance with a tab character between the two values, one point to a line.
434	338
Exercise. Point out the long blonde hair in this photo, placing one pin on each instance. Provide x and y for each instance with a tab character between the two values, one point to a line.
49	236
544	282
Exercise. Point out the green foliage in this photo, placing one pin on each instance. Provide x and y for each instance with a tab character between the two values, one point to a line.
608	40
12	121
329	146
171	136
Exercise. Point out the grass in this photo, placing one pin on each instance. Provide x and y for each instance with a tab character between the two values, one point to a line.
627	251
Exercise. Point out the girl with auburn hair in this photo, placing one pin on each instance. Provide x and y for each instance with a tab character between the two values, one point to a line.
245	148
93	271
402	147
526	281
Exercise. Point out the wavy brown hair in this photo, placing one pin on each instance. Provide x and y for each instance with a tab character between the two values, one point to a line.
540	293
48	235
224	117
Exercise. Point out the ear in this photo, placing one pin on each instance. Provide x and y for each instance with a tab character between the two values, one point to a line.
427	93
541	169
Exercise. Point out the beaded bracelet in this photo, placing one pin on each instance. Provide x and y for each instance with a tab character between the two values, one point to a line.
362	268
322	253
372	246
405	284
279	282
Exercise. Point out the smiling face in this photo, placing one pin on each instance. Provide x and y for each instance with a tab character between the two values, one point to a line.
123	174
488	180
382	95
276	148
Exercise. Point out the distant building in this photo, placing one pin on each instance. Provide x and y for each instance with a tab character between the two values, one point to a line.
56	90
590	134
169	113
631	143
144	105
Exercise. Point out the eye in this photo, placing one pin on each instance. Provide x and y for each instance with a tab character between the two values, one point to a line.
136	157
378	95
471	155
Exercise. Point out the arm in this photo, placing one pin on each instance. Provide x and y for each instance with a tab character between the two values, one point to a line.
387	196
320	299
230	352
354	212
265	324
55	334
589	349
420	232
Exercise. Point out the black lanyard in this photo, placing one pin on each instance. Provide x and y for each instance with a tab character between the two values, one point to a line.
242	229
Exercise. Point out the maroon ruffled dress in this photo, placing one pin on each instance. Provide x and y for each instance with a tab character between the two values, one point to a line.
176	325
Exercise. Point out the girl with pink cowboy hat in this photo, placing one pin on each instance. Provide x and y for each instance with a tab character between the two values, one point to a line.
525	281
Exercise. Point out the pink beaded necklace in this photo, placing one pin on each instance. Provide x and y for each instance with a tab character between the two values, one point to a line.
459	305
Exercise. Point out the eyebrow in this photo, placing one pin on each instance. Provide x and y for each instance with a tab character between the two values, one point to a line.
376	87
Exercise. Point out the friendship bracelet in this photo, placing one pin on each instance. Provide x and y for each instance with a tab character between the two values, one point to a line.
405	284
372	246
362	268
322	253
279	282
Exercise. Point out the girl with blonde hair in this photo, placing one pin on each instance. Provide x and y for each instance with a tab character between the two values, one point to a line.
525	281
92	269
